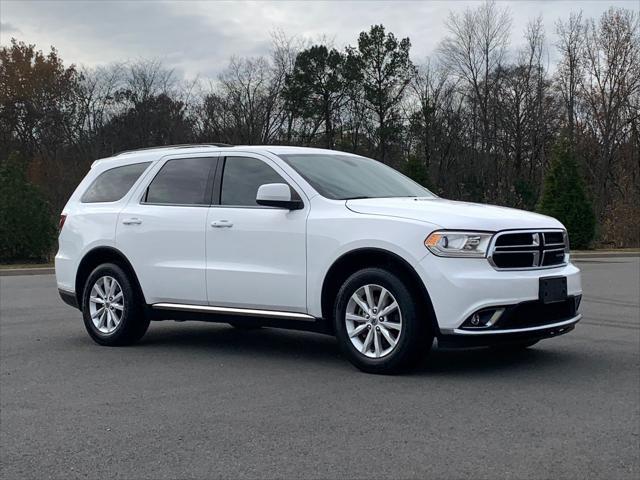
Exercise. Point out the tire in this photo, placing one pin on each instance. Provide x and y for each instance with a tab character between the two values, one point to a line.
123	324
411	330
513	347
246	325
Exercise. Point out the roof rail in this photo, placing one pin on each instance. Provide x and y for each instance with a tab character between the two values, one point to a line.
182	145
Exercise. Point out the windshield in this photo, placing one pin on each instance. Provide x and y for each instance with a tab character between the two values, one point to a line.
344	177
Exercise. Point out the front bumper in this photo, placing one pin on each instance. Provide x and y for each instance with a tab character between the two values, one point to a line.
458	287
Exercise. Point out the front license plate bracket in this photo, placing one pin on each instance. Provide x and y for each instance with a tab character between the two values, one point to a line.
553	289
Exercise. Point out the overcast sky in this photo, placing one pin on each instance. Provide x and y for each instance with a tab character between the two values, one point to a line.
197	38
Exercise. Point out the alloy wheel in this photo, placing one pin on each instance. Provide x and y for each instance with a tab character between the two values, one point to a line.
374	321
106	304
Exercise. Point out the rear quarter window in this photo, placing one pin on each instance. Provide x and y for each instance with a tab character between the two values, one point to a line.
113	184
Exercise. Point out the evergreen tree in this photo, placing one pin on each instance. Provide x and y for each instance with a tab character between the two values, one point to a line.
316	88
416	170
564	196
382	66
27	230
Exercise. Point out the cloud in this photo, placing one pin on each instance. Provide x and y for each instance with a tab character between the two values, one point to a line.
198	38
6	28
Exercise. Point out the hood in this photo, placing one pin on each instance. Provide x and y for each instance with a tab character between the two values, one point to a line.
453	215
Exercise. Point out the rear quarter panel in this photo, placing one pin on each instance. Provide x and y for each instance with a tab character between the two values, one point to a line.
88	225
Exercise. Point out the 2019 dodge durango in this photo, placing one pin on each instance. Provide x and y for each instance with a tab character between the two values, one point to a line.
308	239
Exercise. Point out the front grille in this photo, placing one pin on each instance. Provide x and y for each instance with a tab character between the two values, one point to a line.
528	250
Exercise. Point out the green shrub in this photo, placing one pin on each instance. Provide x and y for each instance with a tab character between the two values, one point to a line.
564	197
27	229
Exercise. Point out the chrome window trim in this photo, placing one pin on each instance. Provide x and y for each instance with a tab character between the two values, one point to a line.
161	164
536	254
132	188
273	165
153	204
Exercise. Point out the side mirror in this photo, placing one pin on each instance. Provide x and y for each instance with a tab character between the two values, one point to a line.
278	195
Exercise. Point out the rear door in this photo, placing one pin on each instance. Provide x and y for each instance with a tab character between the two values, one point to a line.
256	255
162	230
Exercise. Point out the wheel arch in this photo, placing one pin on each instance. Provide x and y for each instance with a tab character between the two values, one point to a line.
98	256
360	258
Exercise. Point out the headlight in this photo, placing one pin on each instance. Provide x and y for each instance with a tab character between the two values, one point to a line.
458	244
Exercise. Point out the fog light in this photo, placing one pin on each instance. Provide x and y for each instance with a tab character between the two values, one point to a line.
484	318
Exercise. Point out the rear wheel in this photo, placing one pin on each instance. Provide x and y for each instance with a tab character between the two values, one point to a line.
111	307
379	322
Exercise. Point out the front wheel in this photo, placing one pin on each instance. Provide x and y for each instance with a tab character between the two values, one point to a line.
379	322
111	307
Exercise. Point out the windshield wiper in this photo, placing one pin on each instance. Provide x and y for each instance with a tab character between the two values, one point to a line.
387	196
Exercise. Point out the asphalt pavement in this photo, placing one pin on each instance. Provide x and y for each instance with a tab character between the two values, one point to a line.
198	400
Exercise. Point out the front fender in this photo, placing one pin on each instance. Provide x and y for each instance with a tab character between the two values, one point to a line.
331	237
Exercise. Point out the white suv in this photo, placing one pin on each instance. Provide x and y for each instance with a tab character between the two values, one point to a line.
307	239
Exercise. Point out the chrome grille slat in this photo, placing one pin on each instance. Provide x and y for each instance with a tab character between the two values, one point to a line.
527	249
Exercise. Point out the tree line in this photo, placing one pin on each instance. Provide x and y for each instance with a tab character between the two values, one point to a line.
476	121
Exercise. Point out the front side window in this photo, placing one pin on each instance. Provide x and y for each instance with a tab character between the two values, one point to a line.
111	185
182	181
343	177
241	179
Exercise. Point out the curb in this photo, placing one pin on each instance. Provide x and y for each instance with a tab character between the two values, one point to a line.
12	272
585	255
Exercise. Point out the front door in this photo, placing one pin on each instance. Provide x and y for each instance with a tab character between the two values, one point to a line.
256	256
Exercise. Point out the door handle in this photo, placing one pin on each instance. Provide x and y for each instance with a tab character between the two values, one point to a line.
132	221
222	224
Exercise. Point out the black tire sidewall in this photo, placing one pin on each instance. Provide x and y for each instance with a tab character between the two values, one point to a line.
132	317
414	338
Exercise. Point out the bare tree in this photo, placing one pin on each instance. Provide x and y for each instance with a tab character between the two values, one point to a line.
611	88
433	99
97	105
570	68
525	116
474	50
244	100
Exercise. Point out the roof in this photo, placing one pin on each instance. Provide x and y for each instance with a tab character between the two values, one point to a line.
153	153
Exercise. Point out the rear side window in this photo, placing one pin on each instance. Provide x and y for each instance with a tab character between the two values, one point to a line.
184	181
241	179
113	184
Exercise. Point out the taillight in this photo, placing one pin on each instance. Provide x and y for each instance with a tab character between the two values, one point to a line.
61	222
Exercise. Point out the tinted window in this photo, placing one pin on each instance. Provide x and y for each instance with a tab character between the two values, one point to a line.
181	182
241	179
342	177
113	184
